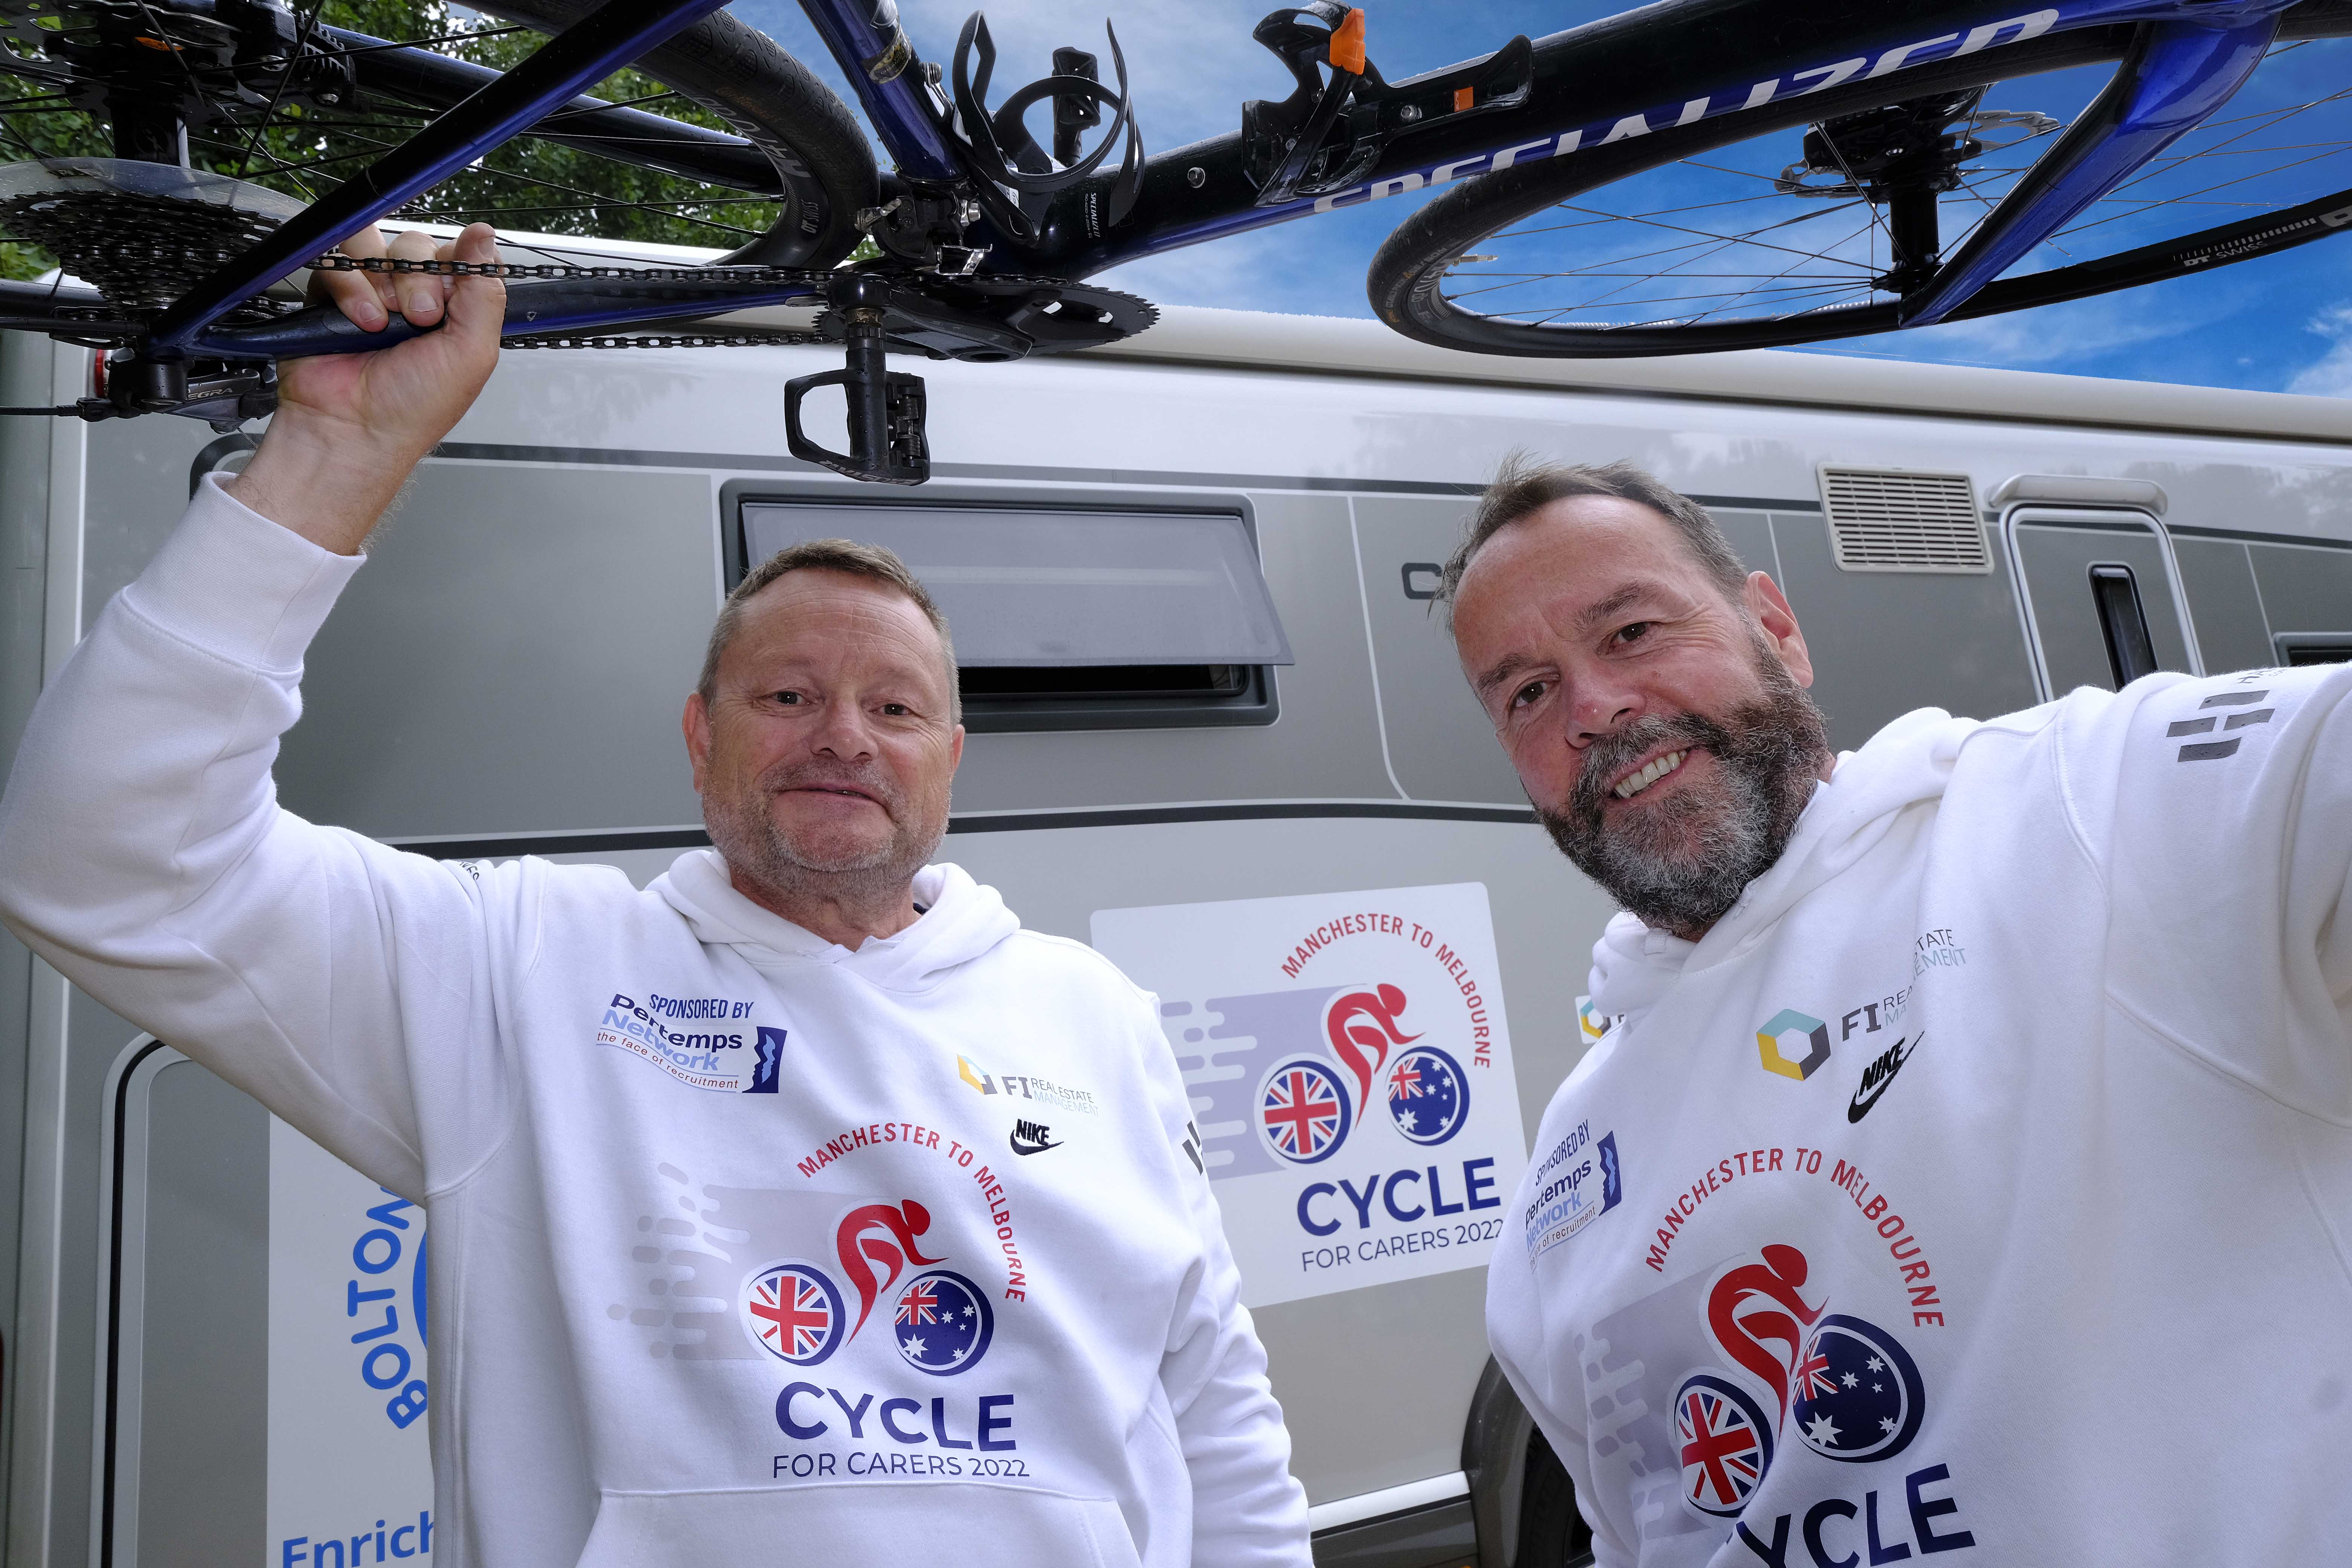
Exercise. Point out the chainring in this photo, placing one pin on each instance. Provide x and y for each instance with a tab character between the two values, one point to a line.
1001	317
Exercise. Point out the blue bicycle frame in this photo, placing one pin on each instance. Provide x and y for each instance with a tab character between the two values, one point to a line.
2190	55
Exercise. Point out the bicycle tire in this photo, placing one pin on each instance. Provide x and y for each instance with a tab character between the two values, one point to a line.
1406	274
1552	1533
737	72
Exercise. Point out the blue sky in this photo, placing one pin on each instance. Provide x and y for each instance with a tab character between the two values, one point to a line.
2280	323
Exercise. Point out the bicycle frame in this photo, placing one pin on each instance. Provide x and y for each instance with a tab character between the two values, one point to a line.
2190	55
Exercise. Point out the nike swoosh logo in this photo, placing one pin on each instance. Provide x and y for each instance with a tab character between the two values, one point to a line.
1867	1096
1021	1148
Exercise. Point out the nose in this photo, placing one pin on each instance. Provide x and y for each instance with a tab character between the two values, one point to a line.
842	733
1599	707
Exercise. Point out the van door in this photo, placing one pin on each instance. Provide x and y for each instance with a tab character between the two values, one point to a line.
2100	596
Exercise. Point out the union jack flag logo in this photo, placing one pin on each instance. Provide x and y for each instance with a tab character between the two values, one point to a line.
1305	1111
1404	1082
1726	1444
1813	1376
920	1303
793	1310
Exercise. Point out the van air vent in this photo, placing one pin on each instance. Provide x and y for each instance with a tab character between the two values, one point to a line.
1885	519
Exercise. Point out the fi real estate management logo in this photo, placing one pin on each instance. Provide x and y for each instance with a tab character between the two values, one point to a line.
1794	1044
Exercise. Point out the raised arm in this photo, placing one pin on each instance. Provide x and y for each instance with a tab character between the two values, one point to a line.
2221	813
141	848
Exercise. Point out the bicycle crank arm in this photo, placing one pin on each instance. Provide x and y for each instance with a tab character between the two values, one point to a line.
2176	75
568	304
886	407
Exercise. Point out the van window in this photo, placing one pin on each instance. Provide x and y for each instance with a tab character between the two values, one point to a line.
2314	647
1072	618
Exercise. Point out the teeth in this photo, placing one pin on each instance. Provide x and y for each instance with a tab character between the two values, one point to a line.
1650	775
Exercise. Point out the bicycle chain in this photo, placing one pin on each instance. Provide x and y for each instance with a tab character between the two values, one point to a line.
338	262
672	341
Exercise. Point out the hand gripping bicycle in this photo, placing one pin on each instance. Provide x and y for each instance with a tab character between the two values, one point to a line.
1695	175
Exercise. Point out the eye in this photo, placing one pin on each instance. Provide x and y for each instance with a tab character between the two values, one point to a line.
1529	693
896	710
1631	633
786	698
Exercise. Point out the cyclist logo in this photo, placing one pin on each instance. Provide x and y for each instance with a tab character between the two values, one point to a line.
1845	1388
944	1323
874	1243
1305	1111
1361	1025
794	1312
1427	1095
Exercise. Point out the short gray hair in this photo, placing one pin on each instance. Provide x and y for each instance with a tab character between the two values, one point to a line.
871	562
1523	486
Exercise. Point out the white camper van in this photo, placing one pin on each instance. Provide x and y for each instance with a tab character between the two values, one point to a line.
1217	732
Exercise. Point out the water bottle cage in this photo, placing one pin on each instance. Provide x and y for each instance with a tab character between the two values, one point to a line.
1333	131
1014	177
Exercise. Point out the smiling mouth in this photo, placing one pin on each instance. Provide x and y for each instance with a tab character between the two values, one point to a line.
1642	778
829	789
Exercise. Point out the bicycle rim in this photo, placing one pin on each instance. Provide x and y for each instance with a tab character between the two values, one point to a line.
1757	232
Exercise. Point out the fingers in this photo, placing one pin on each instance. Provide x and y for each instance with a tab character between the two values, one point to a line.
477	305
419	294
365	296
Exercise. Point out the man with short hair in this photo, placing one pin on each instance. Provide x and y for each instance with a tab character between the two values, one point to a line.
1967	1164
746	1248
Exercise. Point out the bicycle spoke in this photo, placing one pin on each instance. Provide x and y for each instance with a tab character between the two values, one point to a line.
303	24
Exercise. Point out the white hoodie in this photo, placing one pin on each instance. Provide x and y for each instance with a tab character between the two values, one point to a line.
1981	1184
747	1247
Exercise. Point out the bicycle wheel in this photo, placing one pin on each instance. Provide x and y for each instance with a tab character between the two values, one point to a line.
1799	222
255	98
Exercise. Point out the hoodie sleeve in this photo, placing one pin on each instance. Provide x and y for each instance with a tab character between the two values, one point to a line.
1248	1509
1522	1337
142	853
2220	811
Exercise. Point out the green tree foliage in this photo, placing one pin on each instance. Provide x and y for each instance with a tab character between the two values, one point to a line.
526	184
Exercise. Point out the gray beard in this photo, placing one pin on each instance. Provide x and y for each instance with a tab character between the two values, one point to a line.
757	852
1681	864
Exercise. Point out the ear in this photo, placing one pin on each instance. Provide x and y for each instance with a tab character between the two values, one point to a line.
1771	607
696	722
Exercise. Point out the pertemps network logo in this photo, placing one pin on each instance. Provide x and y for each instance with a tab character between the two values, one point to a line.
1307	1106
1794	1044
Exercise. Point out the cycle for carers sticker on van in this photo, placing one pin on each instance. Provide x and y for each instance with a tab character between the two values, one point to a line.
1349	1073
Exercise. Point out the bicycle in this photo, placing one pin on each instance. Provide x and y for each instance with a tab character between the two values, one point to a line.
982	239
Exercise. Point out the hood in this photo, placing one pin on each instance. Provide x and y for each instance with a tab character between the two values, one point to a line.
962	921
1904	764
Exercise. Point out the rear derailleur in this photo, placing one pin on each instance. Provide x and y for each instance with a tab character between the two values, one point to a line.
224	393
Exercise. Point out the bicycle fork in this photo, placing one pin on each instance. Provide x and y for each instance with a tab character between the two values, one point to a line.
2176	74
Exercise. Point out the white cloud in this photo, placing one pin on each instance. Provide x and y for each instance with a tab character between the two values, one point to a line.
2330	375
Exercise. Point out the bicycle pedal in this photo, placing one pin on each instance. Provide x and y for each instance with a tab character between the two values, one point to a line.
890	451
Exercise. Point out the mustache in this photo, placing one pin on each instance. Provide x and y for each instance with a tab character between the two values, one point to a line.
1614	753
871	781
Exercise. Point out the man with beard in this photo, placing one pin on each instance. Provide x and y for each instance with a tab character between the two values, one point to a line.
799	1207
1967	1162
